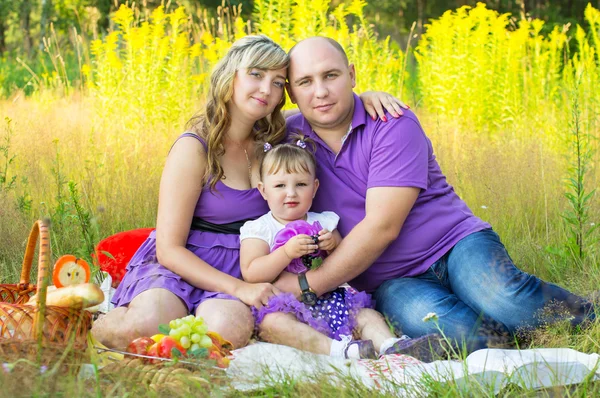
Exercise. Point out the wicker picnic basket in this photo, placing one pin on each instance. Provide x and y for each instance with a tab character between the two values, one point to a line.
30	328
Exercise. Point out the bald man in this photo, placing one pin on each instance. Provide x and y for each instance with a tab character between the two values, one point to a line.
408	238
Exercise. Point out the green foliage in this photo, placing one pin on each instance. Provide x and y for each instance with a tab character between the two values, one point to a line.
394	18
288	21
578	195
7	158
581	240
89	230
471	62
149	68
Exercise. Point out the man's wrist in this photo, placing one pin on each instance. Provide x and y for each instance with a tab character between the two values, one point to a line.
307	295
312	281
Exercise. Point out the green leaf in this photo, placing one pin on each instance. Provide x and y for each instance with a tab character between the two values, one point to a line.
316	263
175	353
199	353
107	254
164	329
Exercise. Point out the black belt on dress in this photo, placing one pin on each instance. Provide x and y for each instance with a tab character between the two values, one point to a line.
232	228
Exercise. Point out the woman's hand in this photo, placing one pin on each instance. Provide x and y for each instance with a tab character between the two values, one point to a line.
327	241
256	294
377	102
299	246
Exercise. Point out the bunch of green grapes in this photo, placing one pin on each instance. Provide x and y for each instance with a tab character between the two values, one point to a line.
190	332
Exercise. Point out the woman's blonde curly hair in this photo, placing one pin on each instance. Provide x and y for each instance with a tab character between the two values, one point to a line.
213	123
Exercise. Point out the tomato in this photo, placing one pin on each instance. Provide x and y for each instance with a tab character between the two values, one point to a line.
140	345
166	346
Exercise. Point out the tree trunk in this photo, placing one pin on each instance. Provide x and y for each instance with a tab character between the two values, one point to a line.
2	36
25	19
420	9
45	21
570	8
104	8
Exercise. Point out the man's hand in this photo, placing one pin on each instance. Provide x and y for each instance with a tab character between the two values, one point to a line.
299	246
327	241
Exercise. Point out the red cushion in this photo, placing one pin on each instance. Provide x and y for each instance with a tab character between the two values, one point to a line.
115	251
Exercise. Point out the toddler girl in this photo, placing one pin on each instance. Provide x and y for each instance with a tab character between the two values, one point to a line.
290	238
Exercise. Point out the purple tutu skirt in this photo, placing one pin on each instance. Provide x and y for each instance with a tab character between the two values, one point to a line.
334	314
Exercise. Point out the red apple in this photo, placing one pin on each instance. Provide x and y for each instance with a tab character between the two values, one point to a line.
153	352
140	345
166	346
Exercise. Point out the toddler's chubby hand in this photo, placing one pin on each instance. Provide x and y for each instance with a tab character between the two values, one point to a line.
326	240
300	245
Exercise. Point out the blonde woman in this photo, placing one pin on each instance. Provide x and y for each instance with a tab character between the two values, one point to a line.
190	264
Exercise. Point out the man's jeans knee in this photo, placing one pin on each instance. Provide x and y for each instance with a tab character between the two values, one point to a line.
482	274
475	290
421	305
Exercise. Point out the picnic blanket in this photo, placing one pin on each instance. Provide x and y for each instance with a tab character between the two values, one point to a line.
261	364
258	365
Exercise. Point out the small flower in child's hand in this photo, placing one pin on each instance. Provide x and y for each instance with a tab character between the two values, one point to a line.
432	316
267	147
301	144
7	367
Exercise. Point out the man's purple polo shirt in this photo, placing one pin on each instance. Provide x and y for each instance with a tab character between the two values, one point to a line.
395	153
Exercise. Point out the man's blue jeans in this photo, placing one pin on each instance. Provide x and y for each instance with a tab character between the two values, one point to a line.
475	281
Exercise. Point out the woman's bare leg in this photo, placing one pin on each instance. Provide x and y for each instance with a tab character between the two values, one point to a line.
372	326
282	328
232	319
141	318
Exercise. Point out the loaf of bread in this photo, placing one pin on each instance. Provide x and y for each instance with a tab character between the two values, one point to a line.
84	295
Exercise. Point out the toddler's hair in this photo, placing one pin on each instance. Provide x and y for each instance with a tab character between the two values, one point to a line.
290	157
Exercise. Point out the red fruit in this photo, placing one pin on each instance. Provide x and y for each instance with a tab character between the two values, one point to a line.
166	346
222	362
153	352
140	345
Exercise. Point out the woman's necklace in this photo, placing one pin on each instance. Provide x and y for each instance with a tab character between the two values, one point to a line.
247	160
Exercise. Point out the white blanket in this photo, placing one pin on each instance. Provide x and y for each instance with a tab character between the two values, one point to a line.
263	364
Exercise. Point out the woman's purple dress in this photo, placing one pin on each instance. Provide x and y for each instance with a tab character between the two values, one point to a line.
222	251
335	312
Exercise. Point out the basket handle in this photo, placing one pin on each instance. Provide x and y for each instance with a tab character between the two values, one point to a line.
40	229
